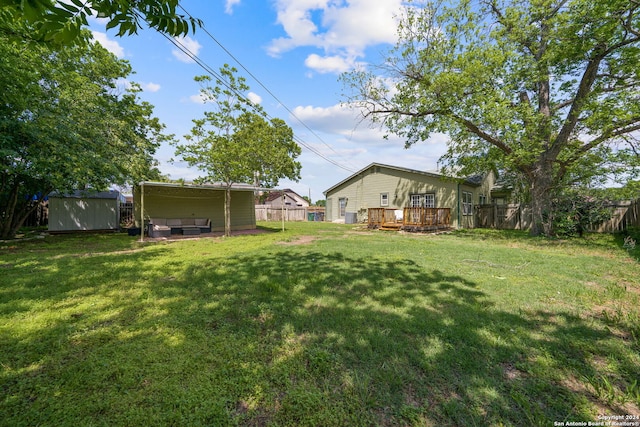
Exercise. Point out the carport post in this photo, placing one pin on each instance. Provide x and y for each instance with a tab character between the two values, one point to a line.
142	211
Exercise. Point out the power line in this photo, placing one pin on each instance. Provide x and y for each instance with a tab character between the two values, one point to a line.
211	71
352	169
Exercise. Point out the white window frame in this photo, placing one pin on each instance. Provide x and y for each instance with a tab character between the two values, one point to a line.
424	200
384	199
342	207
467	203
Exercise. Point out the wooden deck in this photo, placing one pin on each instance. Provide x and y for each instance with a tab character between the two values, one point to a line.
410	219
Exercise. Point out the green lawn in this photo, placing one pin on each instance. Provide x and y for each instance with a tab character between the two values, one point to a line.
322	324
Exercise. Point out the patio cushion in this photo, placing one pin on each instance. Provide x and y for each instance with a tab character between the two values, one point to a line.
159	221
201	222
174	222
188	221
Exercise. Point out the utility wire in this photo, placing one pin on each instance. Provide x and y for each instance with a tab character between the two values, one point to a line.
211	71
352	169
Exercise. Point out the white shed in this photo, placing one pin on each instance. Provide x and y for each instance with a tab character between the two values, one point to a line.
84	211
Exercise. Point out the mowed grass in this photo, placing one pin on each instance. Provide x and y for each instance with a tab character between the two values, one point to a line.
321	324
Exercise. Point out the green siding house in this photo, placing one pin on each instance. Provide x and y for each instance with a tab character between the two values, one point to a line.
393	187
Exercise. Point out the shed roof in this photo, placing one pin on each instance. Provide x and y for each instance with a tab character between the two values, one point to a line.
88	194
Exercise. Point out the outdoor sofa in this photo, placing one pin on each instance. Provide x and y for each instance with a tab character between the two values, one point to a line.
164	227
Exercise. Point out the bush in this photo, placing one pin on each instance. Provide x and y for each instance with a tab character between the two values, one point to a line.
574	213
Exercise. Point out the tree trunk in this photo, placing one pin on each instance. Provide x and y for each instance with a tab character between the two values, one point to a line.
227	212
8	229
16	211
540	187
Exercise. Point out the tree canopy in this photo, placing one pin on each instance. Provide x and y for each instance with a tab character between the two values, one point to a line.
545	89
68	121
61	21
235	143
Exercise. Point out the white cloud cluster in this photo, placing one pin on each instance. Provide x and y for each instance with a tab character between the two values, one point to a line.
359	142
228	8
150	87
342	30
111	45
190	45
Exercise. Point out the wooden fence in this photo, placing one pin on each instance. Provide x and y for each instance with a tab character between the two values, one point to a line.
518	217
272	213
127	215
39	217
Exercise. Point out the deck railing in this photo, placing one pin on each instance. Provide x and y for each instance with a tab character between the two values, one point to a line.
412	218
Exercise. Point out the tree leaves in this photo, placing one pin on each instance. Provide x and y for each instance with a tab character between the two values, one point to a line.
62	127
533	88
60	22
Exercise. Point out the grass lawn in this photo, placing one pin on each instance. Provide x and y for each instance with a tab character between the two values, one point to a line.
322	324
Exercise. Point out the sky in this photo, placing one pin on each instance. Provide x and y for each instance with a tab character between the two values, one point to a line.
294	52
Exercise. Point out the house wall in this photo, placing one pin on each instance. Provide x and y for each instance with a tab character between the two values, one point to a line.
180	202
83	214
363	191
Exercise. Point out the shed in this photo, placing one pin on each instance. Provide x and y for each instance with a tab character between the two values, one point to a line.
177	200
84	211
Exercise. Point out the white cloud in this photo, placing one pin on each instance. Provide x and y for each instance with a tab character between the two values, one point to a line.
111	45
190	45
151	87
342	30
197	99
328	64
254	98
229	6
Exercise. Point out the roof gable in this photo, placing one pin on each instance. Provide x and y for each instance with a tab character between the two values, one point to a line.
474	181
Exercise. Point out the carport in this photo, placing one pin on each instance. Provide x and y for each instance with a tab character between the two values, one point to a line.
172	201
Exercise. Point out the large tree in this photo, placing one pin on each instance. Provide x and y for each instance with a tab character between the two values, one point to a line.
235	143
61	21
67	123
545	89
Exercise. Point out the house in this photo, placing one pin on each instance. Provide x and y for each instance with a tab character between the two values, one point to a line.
182	201
291	199
394	188
84	211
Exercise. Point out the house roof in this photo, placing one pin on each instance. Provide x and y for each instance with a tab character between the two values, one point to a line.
474	180
276	194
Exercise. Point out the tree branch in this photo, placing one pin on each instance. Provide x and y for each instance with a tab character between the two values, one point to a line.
626	129
473	128
584	90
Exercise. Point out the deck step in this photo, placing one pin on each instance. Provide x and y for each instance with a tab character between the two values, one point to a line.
391	226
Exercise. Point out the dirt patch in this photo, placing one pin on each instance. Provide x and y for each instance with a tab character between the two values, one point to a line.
302	240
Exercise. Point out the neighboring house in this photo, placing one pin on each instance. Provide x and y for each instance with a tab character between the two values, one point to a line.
84	211
167	200
392	187
291	199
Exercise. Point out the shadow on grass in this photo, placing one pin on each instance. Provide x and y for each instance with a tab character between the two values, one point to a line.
297	337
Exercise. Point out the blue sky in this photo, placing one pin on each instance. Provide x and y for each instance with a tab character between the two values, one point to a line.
297	49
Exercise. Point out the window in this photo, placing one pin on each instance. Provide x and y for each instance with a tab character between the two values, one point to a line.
482	199
342	203
467	203
384	199
427	200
